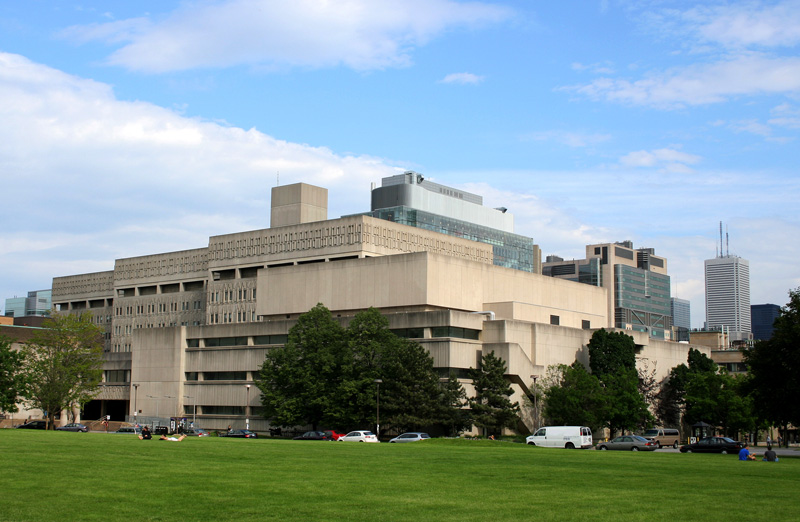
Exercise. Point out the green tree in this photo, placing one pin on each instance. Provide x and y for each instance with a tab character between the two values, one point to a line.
326	374
63	362
624	407
670	402
13	380
298	381
491	407
612	359
717	398
573	397
410	393
609	351
454	418
774	368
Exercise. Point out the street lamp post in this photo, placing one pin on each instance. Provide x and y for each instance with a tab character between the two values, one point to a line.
157	401
194	413
535	403
378	408
173	424
135	395
247	408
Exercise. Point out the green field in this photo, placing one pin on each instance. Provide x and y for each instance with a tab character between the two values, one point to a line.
93	476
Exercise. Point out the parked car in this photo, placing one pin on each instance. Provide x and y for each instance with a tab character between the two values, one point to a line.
314	435
713	445
411	437
33	425
196	432
239	434
128	430
334	434
663	436
359	436
569	437
629	443
73	426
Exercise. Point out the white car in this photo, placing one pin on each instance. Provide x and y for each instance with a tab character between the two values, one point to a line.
359	436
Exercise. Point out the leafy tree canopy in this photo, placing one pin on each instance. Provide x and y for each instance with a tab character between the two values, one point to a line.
64	362
774	368
326	374
13	380
609	351
573	397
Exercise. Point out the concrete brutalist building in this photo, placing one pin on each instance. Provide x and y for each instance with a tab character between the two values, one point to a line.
187	331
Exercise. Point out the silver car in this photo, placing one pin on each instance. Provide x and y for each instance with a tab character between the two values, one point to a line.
412	436
629	443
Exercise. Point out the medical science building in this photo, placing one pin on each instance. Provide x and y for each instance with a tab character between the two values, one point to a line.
187	331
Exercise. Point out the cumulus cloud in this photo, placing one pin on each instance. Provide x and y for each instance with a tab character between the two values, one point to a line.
360	34
137	178
462	78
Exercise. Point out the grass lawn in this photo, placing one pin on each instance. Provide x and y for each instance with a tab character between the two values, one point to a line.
95	476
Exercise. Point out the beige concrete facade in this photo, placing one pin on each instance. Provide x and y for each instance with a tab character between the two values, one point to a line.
190	329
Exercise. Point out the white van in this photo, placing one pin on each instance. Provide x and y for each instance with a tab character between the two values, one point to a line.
569	437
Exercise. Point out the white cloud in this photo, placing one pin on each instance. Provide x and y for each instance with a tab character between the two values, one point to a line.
786	115
701	84
136	178
748	24
571	139
462	78
671	160
360	34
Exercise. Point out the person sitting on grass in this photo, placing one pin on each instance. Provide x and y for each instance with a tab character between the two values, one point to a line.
770	455
744	454
173	439
146	435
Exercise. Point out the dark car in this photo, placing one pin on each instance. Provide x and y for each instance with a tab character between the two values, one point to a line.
73	426
239	434
33	425
713	445
314	435
629	443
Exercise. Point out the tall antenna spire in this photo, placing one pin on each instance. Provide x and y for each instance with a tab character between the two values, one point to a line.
720	239
727	245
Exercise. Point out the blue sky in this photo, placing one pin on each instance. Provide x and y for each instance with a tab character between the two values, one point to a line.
141	127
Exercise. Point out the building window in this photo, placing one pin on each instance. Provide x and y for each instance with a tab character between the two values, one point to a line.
554	319
586	325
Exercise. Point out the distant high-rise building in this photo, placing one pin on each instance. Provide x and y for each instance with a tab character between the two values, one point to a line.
728	294
763	317
637	282
38	302
681	313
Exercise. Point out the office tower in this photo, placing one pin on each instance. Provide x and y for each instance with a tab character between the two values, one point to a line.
728	296
681	313
762	319
636	279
